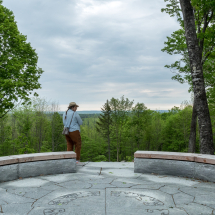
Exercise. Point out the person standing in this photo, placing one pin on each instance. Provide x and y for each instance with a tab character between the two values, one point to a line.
74	137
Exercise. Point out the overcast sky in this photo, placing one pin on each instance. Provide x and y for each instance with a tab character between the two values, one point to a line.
93	50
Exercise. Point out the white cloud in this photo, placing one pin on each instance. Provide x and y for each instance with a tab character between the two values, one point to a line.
94	50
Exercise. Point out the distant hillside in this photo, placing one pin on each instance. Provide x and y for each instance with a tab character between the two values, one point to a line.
161	111
85	112
99	112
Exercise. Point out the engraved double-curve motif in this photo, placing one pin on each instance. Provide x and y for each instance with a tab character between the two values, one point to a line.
64	200
146	200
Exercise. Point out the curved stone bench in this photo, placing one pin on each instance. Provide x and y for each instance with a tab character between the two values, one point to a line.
31	165
198	166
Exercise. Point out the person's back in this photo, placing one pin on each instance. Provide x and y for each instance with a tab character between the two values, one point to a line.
72	120
76	120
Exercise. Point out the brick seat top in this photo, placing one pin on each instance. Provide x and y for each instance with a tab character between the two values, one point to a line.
13	159
201	158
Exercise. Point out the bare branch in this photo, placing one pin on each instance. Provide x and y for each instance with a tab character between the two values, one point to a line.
210	18
10	110
4	114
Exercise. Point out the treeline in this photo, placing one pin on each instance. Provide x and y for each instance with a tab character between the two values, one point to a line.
31	129
126	129
38	127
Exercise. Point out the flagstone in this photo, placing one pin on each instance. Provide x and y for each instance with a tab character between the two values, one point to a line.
107	189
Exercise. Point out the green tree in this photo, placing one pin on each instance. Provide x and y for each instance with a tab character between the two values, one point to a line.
176	129
139	122
42	123
198	13
155	129
5	137
94	144
19	73
56	131
120	112
24	142
104	124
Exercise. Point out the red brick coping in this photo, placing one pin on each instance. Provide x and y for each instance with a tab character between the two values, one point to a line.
200	158
13	159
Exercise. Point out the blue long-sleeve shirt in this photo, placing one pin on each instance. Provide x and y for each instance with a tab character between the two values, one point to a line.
76	120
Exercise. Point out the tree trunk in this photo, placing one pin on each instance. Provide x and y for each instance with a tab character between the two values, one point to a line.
52	123
109	147
206	137
117	144
13	131
109	123
192	139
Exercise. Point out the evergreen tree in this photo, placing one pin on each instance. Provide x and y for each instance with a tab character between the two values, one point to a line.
56	131
139	122
103	125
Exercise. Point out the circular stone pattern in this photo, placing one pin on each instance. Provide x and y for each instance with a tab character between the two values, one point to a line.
142	199
93	191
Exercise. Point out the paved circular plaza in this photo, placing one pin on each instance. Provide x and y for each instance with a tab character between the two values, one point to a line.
107	188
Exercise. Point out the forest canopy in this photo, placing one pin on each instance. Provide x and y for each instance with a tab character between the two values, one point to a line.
37	127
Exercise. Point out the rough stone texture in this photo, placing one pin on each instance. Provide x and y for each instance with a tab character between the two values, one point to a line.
23	209
164	179
117	165
36	157
182	198
205	172
8	160
164	167
202	171
165	155
9	172
31	169
201	158
210	159
107	189
141	201
46	156
197	209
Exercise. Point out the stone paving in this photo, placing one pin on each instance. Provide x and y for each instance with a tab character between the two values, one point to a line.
105	188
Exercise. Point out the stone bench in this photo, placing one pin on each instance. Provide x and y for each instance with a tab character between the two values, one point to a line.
31	165
197	166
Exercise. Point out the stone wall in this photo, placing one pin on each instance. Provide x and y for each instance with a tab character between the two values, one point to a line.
188	169
31	165
36	168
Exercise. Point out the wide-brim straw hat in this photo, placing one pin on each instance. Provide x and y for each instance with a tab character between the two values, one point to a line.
72	104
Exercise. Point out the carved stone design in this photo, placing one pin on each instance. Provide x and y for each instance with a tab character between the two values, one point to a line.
158	211
64	200
146	200
53	211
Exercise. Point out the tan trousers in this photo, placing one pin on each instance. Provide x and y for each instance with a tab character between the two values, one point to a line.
74	139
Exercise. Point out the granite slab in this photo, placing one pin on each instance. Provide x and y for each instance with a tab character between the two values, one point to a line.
200	158
165	155
93	192
36	157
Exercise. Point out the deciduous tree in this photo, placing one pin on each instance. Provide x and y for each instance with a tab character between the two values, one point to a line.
19	73
103	125
198	15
